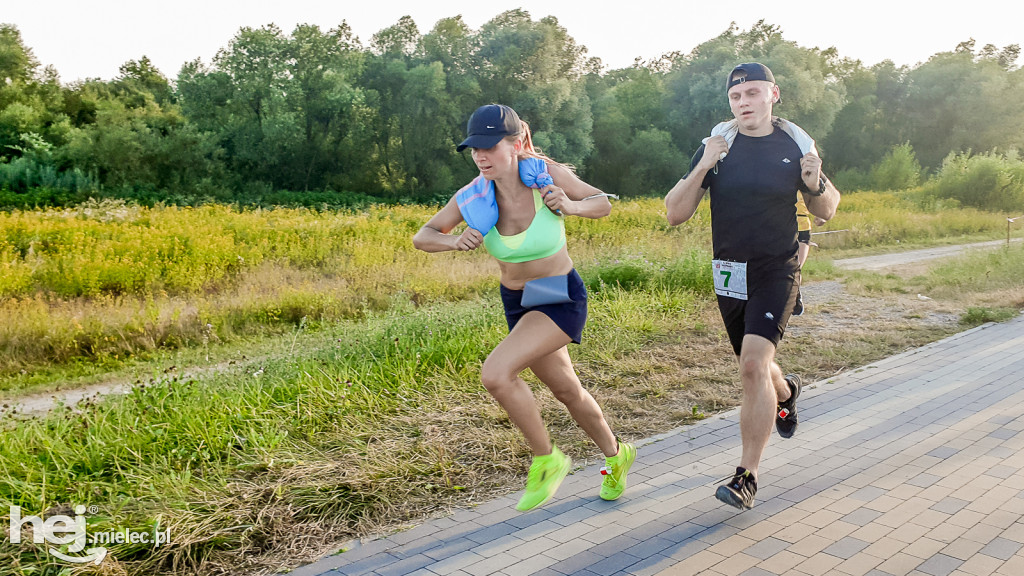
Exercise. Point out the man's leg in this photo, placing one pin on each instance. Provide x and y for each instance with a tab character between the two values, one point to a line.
763	387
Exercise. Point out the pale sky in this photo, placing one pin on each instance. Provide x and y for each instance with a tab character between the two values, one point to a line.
92	38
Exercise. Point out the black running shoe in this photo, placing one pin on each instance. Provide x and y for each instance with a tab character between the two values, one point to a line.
740	491
785	416
798	308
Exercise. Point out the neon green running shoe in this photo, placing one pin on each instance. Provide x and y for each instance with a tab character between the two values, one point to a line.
615	470
546	475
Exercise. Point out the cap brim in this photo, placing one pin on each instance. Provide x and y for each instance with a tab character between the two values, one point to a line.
480	141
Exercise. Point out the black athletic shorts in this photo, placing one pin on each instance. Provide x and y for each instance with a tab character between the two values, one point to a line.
804	236
569	316
771	294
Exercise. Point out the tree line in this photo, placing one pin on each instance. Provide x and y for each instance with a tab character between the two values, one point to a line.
318	114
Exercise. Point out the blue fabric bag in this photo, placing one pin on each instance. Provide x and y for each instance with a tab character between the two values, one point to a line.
476	200
534	173
478	205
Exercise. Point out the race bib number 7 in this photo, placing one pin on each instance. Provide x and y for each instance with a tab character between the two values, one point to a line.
730	278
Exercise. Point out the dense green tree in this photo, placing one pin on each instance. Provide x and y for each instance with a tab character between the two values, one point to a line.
17	63
140	79
633	152
146	147
453	44
957	101
315	110
385	79
32	121
812	92
288	109
326	97
537	69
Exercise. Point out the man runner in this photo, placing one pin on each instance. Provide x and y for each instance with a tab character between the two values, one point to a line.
753	186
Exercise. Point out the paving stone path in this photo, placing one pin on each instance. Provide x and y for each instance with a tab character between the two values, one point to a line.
910	465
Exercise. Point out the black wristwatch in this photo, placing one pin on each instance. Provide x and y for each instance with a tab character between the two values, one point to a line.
819	191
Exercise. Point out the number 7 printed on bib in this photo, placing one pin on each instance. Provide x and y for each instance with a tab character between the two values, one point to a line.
730	278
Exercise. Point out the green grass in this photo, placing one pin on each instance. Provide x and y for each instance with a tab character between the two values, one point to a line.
110	283
340	413
179	450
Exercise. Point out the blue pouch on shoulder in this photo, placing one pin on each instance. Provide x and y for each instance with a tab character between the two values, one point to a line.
478	204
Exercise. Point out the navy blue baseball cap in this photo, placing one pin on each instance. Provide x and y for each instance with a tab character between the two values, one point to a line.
747	73
488	125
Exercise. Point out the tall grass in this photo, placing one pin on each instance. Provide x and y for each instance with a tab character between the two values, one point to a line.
913	217
237	463
107	281
333	438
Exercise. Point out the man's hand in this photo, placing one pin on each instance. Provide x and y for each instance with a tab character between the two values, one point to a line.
714	151
470	239
810	171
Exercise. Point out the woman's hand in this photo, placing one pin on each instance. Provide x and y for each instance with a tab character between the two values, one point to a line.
556	200
470	239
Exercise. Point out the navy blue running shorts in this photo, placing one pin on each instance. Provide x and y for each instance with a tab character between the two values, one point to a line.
569	316
771	296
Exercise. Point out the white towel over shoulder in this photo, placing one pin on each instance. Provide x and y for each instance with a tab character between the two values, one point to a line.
730	128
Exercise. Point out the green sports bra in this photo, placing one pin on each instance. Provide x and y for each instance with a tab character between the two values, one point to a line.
544	237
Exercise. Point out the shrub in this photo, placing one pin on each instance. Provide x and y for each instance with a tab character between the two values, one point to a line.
899	170
989	181
851	180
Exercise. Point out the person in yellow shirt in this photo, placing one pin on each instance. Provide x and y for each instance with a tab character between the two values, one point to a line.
803	227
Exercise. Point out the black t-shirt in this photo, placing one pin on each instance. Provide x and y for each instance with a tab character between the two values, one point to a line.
753	199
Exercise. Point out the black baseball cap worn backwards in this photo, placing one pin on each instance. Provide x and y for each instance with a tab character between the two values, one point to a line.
747	73
488	125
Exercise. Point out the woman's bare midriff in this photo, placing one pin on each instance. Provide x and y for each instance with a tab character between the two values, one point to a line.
515	274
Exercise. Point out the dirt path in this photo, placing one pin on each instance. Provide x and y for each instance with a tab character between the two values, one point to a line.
882	261
42	402
821	293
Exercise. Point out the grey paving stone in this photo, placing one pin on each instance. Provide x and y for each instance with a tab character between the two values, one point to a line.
530	518
649	529
940	565
405	566
615	545
767	548
868	493
651	565
454	563
943	452
950	505
581	561
861	516
1001	548
650	547
755	571
616	564
846	548
1001	471
450	548
366	565
923	480
488	533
